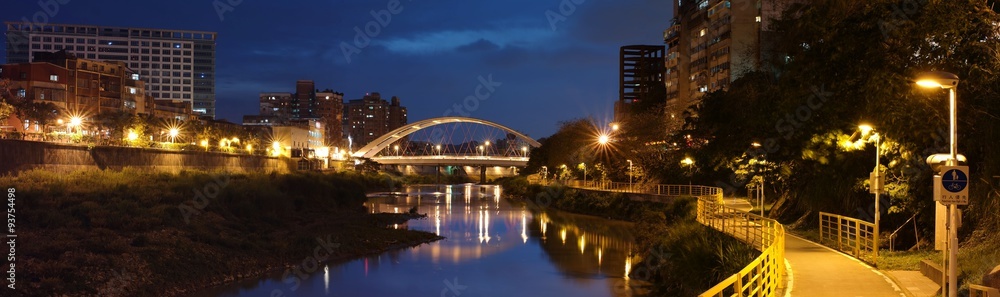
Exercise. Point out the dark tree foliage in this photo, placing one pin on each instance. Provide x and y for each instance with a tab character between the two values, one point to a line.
840	63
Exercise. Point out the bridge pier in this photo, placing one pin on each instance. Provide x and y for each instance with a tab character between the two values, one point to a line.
482	174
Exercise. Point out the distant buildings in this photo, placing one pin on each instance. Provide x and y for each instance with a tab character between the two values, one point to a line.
307	103
177	65
371	116
641	75
710	44
87	87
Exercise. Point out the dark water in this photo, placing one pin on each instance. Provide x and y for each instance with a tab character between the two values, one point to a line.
493	248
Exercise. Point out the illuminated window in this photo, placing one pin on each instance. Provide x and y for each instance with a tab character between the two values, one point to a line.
758	19
702	33
54	77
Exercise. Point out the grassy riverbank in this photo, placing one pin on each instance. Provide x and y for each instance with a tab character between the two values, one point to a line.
130	233
679	256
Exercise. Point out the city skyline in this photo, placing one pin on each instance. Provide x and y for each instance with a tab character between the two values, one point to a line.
558	57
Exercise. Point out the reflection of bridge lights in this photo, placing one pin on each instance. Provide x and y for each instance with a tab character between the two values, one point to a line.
326	279
562	234
437	220
582	242
600	253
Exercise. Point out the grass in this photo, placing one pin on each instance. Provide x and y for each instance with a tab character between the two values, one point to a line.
127	233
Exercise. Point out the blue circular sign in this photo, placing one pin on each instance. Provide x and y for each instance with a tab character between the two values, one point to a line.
954	180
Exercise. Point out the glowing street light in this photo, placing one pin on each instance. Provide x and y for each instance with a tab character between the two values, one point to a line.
204	143
690	164
438	147
615	127
132	136
949	81
396	147
524	151
603	139
173	134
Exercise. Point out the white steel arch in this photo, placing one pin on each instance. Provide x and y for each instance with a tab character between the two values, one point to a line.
377	145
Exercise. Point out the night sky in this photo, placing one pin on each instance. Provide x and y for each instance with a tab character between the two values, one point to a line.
431	53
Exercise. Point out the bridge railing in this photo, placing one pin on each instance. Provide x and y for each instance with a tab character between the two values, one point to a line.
850	235
765	274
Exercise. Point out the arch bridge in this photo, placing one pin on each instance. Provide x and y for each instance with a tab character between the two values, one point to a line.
459	141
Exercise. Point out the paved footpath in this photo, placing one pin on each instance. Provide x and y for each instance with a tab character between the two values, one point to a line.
816	270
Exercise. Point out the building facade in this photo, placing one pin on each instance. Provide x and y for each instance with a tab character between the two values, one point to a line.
177	64
641	75
710	44
371	116
282	108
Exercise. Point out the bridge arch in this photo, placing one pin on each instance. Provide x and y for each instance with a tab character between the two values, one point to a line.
377	145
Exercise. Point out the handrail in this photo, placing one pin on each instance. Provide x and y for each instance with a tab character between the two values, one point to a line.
892	237
850	235
983	291
765	274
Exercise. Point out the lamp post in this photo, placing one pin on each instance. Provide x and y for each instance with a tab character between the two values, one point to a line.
690	163
584	165
876	180
760	189
524	151
438	147
949	81
629	174
396	147
173	134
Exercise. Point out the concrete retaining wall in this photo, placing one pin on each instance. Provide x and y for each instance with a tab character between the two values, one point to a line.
20	155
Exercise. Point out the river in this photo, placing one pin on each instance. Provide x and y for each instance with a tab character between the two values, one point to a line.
493	247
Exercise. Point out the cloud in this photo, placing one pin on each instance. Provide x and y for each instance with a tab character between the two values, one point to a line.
478	45
444	41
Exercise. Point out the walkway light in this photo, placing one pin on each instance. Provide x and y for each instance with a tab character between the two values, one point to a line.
132	136
173	134
949	81
75	121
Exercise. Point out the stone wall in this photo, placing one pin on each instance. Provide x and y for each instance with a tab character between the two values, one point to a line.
20	155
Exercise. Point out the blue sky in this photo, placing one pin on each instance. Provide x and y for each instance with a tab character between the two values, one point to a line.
429	53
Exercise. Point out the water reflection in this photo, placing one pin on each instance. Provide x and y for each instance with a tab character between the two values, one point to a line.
493	248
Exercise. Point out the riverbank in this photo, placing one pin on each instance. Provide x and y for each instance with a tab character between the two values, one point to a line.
675	253
130	233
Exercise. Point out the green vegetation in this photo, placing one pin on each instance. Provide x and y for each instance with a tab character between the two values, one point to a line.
133	233
833	65
679	256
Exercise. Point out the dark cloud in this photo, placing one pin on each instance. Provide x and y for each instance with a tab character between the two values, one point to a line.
480	45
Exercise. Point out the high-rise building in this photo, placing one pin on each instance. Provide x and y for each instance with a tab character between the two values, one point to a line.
641	73
177	64
710	44
95	87
277	108
371	116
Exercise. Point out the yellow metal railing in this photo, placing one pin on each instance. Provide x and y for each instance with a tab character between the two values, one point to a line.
983	291
850	235
651	189
765	274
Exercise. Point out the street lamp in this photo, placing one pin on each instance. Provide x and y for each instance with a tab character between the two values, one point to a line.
524	151
949	81
615	127
438	147
396	147
690	164
629	174
173	134
760	189
204	143
584	166
876	177
603	139
481	151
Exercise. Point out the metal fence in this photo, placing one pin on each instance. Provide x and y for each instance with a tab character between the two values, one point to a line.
850	235
765	274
